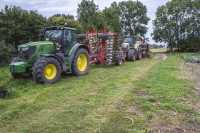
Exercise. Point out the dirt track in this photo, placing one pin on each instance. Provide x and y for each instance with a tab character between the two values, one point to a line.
161	56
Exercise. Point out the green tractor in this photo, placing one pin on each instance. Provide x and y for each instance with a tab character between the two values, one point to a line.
46	60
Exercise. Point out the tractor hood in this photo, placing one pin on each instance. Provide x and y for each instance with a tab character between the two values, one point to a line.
28	53
35	49
34	44
40	46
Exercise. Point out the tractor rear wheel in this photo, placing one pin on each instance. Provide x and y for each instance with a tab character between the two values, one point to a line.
47	70
80	63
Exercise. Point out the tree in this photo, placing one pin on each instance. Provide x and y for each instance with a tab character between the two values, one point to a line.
62	19
87	14
19	26
112	17
5	52
177	22
163	30
133	17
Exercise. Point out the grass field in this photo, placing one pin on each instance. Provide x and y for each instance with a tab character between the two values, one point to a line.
136	97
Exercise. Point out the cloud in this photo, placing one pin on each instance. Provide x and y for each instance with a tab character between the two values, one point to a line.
50	7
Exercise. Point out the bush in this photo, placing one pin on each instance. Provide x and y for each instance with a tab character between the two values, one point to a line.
190	45
5	52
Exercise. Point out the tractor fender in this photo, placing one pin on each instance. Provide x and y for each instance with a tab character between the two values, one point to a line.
60	58
74	49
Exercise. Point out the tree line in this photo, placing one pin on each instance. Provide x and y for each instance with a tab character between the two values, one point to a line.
176	24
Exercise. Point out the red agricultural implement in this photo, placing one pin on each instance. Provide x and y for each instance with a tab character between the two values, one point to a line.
108	48
104	47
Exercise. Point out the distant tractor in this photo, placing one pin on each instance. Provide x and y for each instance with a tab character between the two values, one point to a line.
47	60
135	48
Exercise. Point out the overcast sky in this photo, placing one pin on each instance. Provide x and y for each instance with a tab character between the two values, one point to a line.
50	7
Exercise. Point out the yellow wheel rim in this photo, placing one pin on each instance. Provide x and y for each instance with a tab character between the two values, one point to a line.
50	71
82	62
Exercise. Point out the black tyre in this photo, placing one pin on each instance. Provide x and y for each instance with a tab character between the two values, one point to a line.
119	58
47	70
80	63
139	56
131	55
119	61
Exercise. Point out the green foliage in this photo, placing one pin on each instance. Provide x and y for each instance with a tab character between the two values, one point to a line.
17	26
5	52
133	17
190	45
176	22
128	17
62	19
112	17
20	25
87	14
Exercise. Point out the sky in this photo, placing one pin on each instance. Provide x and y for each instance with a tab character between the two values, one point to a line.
51	7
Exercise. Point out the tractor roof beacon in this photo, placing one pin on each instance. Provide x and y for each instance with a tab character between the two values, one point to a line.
46	60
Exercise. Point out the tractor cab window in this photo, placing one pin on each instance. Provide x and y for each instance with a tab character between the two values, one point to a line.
68	40
68	35
54	35
129	40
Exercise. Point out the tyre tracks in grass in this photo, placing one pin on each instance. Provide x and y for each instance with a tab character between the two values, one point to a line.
80	106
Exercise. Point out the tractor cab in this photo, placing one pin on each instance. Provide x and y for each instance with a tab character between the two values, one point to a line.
64	38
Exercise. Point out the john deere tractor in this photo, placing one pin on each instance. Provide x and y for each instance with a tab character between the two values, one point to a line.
46	60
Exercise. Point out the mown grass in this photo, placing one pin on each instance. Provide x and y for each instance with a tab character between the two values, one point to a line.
191	57
131	98
158	100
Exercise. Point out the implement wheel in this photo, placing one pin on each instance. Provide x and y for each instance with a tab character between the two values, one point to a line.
139	56
80	63
47	70
131	55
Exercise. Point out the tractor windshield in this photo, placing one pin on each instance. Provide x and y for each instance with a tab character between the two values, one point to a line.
53	35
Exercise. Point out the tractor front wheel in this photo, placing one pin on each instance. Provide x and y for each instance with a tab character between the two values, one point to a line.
80	63
47	70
